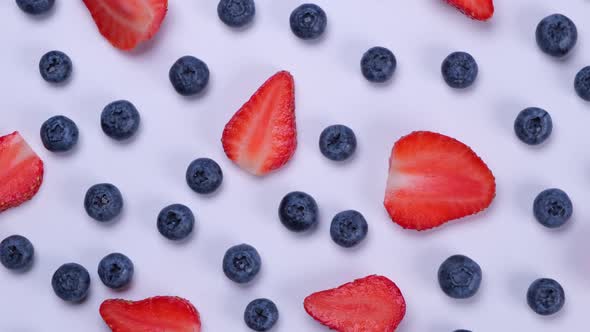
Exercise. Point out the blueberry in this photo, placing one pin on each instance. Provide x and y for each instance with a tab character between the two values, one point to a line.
55	67
35	7
582	83
236	13
556	35
348	228
462	331
204	176
241	263
533	125
545	296
298	211
16	252
552	208
459	277
378	64
308	21
176	222
337	142
189	75
120	120
115	270
459	70
261	315
59	134
71	282
103	202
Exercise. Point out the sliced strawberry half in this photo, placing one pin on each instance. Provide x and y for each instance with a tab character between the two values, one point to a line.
262	135
371	304
126	23
481	10
21	171
154	314
434	178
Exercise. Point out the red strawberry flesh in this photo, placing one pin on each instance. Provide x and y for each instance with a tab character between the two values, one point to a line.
370	304
434	179
481	10
21	171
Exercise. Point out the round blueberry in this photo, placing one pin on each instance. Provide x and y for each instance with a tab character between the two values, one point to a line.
103	202
176	222
35	7
115	270
189	75
348	228
261	315
236	13
378	64
545	296
298	211
120	120
582	83
459	70
204	176
533	125
59	134
552	208
308	21
71	282
462	331
241	263
337	142
556	35
55	67
16	252
459	277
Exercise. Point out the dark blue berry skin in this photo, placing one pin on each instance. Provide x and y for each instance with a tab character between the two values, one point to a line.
378	64
189	75
59	134
582	83
115	270
261	315
176	222
556	35
533	125
16	252
204	176
236	13
35	7
103	202
459	70
55	67
120	120
308	21
348	228
71	282
552	208
462	331
545	296
459	277
298	211
241	263
337	142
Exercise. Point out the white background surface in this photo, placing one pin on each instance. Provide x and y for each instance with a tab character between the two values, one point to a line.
506	241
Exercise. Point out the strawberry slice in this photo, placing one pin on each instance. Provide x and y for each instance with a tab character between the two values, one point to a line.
21	171
371	304
434	179
126	23
262	135
481	10
154	314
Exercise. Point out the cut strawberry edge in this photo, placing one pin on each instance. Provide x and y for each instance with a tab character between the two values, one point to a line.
21	171
483	14
373	283
116	314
